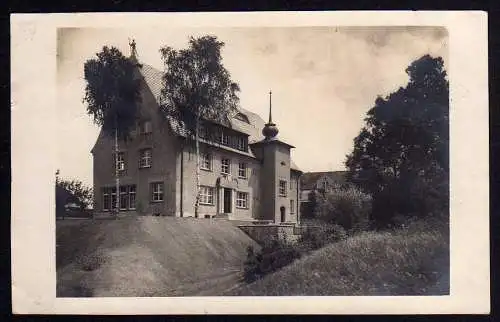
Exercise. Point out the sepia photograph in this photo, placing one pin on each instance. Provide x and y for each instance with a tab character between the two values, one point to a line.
256	161
182	183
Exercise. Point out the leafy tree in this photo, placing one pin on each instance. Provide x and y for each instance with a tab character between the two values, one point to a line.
349	208
112	95
401	155
197	87
78	192
78	189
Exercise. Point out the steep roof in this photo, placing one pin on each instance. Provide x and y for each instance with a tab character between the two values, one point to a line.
309	179
153	79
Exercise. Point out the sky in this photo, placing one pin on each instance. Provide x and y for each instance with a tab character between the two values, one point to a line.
323	79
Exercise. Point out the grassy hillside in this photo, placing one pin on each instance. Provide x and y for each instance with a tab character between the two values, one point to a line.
148	256
413	261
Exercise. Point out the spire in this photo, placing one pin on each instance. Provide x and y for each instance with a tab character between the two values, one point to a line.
270	130
270	108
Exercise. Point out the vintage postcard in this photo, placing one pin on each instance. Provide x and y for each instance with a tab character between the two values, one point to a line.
251	163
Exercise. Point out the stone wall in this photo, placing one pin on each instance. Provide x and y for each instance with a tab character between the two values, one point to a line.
262	233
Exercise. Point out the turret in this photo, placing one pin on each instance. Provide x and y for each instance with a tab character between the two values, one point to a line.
270	130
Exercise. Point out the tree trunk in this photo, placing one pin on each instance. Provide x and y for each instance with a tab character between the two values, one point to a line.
197	202
117	175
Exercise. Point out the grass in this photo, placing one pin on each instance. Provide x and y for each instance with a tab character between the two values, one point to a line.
411	261
148	256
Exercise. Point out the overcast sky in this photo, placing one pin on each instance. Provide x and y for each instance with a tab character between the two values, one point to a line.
323	80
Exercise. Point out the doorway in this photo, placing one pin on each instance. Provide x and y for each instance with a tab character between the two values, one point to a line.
227	198
283	216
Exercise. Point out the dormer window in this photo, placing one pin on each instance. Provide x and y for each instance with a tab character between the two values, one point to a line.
241	143
224	138
242	117
202	131
146	127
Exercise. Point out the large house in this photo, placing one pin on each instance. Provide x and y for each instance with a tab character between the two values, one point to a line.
246	172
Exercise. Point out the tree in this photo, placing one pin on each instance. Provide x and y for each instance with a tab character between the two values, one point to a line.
79	190
71	191
197	87
401	154
112	96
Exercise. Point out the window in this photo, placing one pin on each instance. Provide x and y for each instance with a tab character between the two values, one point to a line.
282	188
291	184
145	160
292	207
224	138
202	132
325	185
206	195
131	196
242	170
206	161
127	198
106	201
146	127
242	200
226	166
157	191
113	198
241	143
120	161
123	198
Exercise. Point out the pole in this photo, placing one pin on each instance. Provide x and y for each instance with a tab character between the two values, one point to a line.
117	177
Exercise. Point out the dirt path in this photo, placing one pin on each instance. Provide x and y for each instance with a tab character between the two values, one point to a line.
214	285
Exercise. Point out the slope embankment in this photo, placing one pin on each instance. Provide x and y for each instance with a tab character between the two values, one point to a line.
403	262
148	256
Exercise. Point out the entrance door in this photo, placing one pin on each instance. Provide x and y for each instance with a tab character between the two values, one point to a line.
227	201
282	211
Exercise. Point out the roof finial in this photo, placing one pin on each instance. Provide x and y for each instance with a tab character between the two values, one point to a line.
270	108
133	50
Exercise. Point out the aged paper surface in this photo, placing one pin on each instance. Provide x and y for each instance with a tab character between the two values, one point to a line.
34	161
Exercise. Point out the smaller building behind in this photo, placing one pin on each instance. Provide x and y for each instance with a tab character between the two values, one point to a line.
318	182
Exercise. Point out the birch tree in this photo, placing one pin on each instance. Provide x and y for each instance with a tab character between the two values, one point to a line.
197	87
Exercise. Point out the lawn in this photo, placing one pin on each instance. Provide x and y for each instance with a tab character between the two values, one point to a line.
148	256
412	261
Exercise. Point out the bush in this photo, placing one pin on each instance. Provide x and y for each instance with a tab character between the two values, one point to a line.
417	197
314	237
272	257
275	255
347	207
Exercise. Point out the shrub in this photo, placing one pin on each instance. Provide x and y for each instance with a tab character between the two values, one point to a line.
314	237
418	197
348	207
273	256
